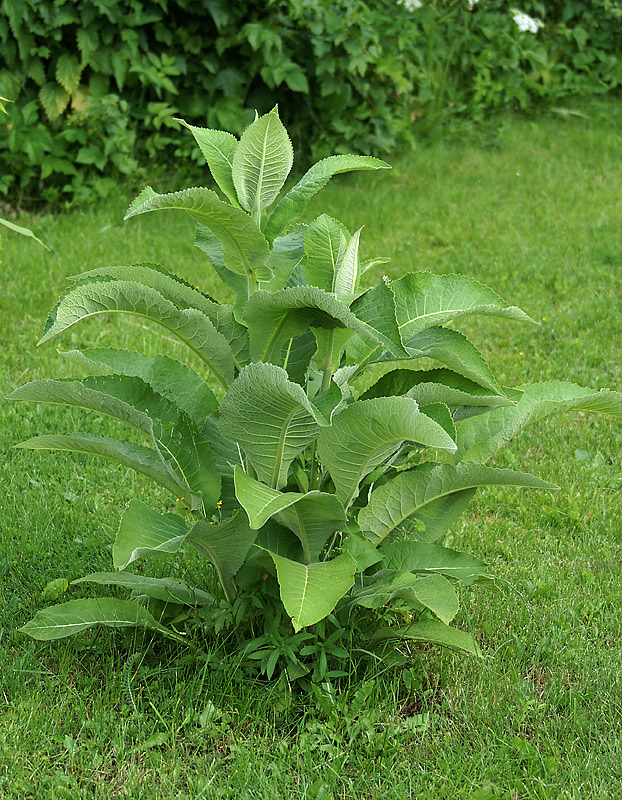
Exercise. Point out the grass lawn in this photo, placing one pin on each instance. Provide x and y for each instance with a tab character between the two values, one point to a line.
538	217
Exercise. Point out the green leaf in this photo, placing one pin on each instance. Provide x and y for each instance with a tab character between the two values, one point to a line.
167	590
218	148
376	308
291	207
347	273
430	591
75	616
209	243
225	544
325	244
139	458
431	631
271	419
399	505
367	433
285	257
413	556
311	591
262	162
480	437
455	351
244	247
274	318
54	99
24	231
313	517
362	550
424	300
165	375
68	72
434	386
144	531
99	296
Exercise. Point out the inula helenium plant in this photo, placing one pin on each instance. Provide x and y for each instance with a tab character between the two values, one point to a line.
316	463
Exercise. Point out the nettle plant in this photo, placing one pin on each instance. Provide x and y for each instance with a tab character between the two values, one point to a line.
317	466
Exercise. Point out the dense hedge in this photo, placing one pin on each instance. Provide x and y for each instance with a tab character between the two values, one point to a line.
96	84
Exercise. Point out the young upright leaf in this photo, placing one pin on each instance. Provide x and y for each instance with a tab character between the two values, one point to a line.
271	419
376	308
244	247
144	531
262	162
347	273
367	433
311	591
285	258
423	300
65	619
95	296
480	437
399	505
325	244
218	148
291	207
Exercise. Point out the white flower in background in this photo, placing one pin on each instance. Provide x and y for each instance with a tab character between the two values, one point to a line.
471	4
526	23
410	5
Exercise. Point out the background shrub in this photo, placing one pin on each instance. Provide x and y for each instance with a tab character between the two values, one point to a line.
96	84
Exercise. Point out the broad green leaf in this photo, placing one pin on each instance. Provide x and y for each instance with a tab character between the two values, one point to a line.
313	517
431	631
424	300
209	243
416	556
285	258
376	308
68	71
367	433
434	386
455	351
325	244
168	590
311	591
296	355
362	550
225	544
24	231
347	273
274	318
291	207
139	458
430	591
95	296
244	247
144	531
218	148
400	504
65	619
271	419
262	162
480	437
54	99
441	414
165	375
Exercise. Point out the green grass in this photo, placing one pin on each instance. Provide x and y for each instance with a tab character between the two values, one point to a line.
538	218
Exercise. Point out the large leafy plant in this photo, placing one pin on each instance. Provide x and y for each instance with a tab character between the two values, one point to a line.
317	466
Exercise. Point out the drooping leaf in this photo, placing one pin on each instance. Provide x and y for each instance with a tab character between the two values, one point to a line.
225	544
262	162
244	247
325	243
313	517
65	619
431	631
311	591
274	318
415	556
367	433
99	296
144	531
433	592
400	503
218	148
424	300
271	419
167	590
480	437
291	207
165	375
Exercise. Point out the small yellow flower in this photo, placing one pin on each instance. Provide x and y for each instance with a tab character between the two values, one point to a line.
219	504
521	353
543	319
